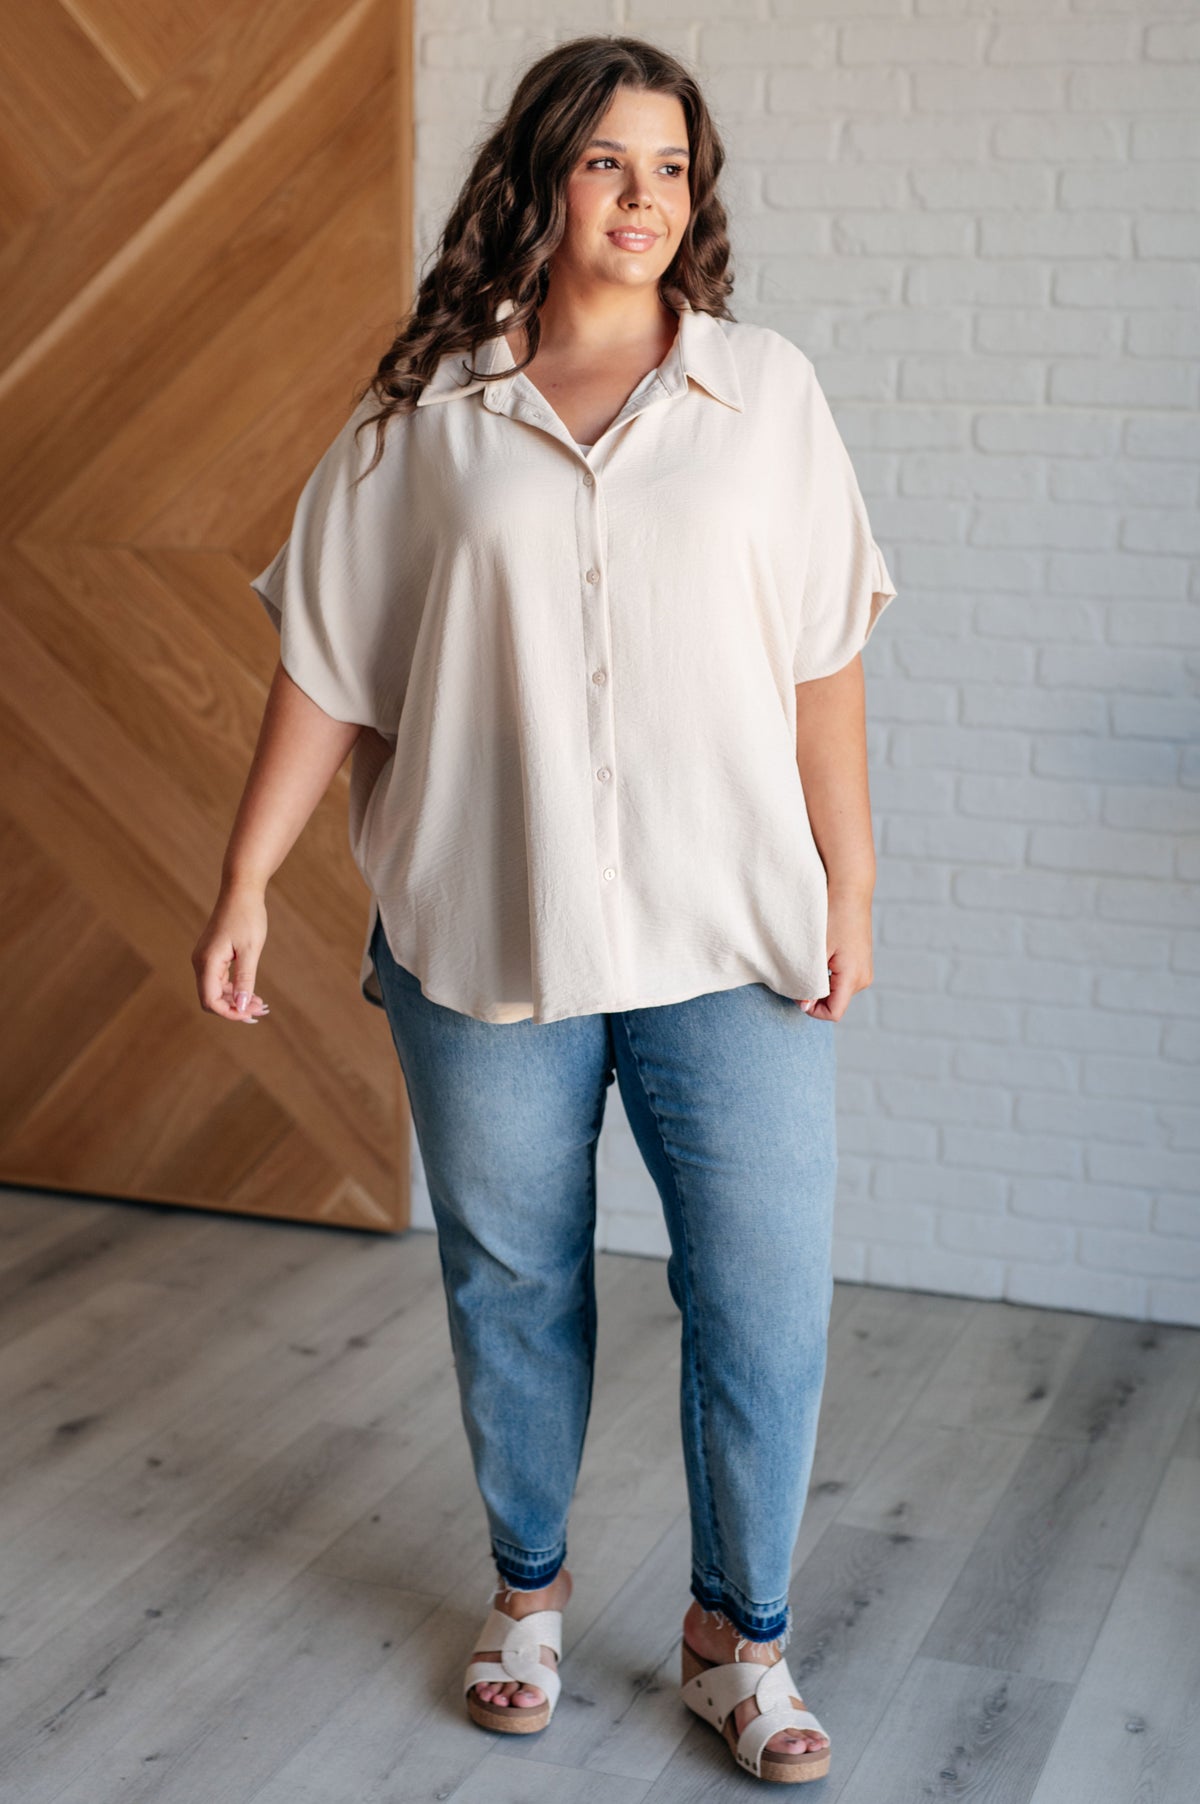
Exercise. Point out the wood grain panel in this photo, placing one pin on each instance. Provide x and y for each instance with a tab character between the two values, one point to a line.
206	217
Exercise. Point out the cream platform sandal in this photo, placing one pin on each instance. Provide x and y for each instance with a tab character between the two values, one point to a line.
520	1640
714	1691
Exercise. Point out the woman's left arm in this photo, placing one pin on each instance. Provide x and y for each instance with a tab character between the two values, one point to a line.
831	755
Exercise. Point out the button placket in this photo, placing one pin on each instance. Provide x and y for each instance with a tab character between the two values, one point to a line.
524	402
590	517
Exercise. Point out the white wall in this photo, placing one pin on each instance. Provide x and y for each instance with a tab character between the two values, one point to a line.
980	222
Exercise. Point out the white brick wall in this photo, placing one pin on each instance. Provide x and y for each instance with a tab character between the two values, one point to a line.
979	219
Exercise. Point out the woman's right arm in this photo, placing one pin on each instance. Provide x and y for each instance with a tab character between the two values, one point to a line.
300	750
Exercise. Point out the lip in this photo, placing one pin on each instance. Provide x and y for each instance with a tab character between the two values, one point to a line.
640	241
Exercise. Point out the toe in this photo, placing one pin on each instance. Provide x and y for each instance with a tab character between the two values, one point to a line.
513	1691
793	1741
530	1695
784	1741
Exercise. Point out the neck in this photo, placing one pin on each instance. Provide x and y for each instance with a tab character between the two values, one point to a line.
601	323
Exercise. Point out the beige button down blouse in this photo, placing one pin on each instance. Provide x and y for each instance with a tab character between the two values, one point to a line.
584	666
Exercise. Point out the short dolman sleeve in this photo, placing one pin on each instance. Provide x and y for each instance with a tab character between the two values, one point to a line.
846	582
332	590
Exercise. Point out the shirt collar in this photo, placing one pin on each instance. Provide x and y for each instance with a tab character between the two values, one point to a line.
701	350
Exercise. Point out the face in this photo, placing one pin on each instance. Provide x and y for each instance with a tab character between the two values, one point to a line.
628	200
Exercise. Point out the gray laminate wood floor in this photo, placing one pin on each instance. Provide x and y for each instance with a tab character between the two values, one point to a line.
244	1558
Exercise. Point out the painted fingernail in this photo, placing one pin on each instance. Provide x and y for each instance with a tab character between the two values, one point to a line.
241	1001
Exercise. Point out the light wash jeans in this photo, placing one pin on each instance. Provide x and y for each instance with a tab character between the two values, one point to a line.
730	1097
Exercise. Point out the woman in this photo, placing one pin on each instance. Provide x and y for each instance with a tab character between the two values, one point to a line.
590	619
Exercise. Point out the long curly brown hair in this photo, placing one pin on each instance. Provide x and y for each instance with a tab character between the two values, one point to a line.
511	212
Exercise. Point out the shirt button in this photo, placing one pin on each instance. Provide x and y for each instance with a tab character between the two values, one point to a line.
598	676
604	773
609	874
593	575
587	482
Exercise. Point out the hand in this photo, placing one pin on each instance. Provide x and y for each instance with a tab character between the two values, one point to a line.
226	955
850	961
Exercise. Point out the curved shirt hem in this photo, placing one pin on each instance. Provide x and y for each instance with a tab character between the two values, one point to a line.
501	1015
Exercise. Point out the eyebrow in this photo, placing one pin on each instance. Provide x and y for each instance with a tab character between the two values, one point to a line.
668	150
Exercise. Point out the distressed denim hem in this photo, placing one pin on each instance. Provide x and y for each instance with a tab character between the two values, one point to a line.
527	1572
751	1624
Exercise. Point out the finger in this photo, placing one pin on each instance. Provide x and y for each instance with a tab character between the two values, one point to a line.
230	1012
225	1006
212	978
218	991
257	1005
809	1003
842	987
241	976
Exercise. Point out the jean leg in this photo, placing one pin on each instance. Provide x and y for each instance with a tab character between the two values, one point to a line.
507	1117
731	1098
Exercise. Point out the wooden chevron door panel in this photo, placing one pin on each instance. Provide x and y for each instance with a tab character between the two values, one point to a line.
205	247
